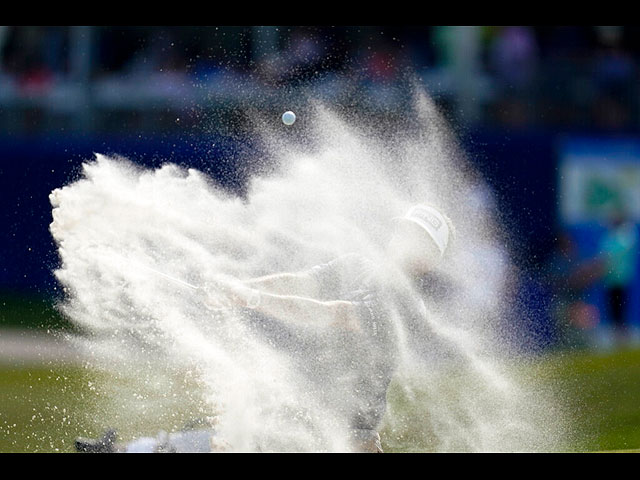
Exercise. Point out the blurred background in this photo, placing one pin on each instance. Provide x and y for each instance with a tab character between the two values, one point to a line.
549	116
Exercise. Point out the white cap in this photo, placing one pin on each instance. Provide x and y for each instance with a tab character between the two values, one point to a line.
434	222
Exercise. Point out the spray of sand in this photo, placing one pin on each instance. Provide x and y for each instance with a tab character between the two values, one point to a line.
136	244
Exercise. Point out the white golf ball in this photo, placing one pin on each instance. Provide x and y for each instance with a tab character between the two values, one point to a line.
288	118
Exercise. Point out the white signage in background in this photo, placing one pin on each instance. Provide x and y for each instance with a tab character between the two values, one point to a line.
597	183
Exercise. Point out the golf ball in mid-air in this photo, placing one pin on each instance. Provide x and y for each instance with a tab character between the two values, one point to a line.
288	118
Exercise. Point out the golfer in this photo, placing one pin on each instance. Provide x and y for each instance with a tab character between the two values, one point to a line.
352	299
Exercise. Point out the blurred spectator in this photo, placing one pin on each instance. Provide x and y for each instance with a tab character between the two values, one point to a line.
514	57
569	278
613	66
513	60
561	76
613	75
303	59
35	57
619	250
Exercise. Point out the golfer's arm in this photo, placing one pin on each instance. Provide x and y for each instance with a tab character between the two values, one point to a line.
295	284
307	311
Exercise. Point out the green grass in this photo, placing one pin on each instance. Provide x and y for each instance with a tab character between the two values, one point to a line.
41	408
30	312
44	409
595	399
602	392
